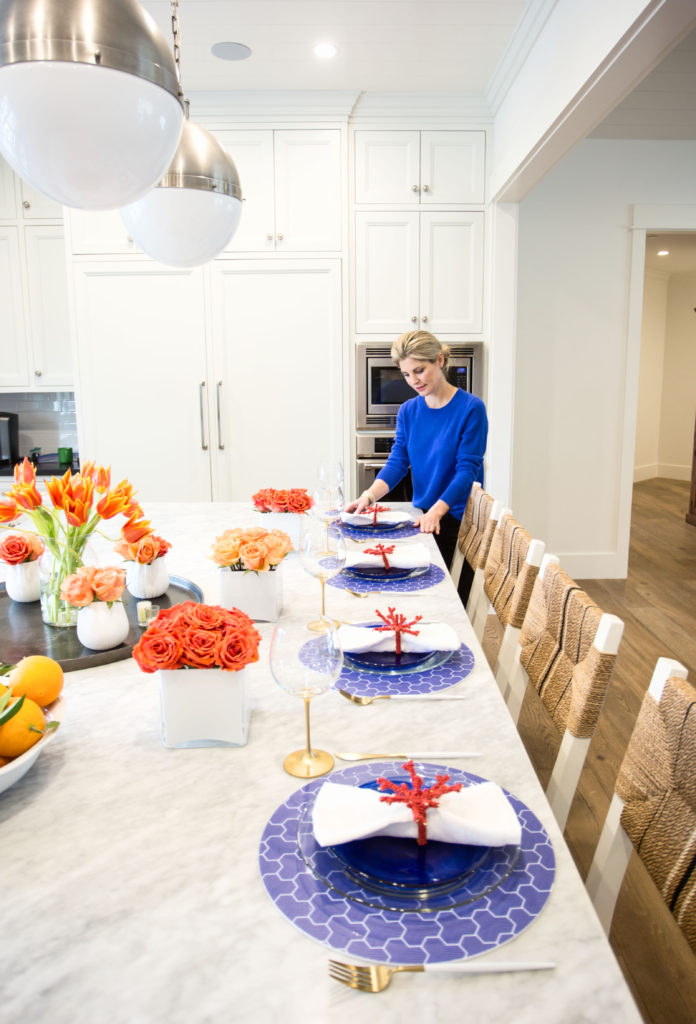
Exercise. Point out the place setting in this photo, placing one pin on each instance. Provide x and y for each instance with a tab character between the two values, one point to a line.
376	565
376	522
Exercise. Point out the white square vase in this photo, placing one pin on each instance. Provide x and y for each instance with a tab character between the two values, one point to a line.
288	522
204	707
258	594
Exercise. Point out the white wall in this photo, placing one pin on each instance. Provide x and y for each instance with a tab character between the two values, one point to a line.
678	386
573	279
652	357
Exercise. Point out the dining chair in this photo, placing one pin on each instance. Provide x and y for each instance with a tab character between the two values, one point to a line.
475	531
508	576
653	810
567	649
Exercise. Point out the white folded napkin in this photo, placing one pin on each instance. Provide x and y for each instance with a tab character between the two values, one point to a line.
404	556
433	636
480	815
367	519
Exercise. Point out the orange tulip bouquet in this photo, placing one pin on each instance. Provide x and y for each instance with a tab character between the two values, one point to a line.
80	502
249	560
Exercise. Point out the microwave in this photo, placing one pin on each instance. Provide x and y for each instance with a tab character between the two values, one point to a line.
381	389
9	439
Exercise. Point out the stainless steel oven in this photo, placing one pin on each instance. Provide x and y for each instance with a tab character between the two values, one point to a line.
381	389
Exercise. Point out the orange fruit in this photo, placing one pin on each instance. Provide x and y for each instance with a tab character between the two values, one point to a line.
37	677
23	730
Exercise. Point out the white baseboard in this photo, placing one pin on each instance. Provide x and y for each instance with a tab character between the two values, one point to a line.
668	470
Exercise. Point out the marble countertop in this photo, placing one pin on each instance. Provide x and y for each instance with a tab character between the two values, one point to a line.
130	883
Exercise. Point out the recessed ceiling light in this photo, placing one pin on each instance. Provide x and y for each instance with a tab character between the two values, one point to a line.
230	51
663	252
325	51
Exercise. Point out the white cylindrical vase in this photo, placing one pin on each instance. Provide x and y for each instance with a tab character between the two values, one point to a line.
151	580
22	581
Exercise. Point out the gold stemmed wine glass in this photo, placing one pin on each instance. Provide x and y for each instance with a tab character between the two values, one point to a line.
318	563
327	505
305	668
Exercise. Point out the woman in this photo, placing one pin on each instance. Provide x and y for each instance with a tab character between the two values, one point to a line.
440	434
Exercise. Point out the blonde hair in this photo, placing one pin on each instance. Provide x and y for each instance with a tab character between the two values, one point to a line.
419	345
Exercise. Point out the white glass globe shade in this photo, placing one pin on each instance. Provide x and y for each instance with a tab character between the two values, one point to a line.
182	227
87	136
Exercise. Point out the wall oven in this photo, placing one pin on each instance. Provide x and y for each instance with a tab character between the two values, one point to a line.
381	389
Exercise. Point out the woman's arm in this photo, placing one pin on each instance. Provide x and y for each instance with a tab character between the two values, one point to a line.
369	497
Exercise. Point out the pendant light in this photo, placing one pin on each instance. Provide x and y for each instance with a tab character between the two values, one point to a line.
193	212
90	112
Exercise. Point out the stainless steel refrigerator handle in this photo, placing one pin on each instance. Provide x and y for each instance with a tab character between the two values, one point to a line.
204	446
219	424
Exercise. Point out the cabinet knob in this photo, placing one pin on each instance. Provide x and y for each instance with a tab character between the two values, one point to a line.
414	319
269	238
424	319
37	373
415	188
426	188
26	204
280	237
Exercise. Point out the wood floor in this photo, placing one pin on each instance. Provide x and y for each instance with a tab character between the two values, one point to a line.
657	603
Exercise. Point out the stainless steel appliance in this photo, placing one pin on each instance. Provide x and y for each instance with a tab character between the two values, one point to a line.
381	389
9	439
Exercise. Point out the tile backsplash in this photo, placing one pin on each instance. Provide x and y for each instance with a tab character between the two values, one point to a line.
46	419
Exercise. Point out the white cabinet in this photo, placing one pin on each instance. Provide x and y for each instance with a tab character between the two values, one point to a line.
210	384
419	270
97	232
51	356
36	206
291	187
14	365
277	354
142	385
423	167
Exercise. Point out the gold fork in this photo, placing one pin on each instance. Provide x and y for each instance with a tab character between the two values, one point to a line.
400	696
376	977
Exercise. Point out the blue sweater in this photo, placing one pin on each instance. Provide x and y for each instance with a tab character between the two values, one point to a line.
443	447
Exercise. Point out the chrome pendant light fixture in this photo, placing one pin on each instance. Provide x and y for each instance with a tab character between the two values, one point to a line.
193	212
90	112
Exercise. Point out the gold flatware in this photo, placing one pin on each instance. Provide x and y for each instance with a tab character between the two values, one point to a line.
435	755
401	696
376	977
358	593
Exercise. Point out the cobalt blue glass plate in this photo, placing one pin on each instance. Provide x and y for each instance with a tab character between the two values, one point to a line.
378	572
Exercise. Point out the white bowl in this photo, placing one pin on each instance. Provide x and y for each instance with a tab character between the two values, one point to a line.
19	766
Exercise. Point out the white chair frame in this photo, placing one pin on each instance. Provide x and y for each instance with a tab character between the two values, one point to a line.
476	594
614	848
484	608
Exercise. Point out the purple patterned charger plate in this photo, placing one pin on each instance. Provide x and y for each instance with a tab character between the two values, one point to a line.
430	578
372	684
351	921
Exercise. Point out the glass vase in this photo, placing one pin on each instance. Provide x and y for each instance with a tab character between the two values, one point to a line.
53	569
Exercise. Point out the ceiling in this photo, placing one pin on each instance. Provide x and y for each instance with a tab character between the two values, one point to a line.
681	247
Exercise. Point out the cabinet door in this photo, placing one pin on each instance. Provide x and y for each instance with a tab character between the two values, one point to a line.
36	206
452	167
386	272
451	291
276	331
252	152
140	365
98	232
8	200
308	190
387	166
14	367
48	306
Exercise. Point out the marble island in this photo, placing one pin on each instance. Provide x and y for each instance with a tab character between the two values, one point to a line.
131	884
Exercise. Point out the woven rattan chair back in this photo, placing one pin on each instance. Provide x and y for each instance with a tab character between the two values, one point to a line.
557	650
477	528
508	575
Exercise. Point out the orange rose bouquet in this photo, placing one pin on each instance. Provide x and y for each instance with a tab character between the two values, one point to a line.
251	550
90	584
191	635
145	550
296	499
16	548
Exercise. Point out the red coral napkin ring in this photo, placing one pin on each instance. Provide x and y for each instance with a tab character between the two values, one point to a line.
418	798
398	624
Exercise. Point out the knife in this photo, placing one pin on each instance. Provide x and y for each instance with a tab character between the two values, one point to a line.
435	755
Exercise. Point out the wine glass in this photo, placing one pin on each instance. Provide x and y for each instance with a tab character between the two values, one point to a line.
305	668
317	562
327	505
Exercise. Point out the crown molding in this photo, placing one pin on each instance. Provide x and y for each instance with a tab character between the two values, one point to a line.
451	108
226	109
530	26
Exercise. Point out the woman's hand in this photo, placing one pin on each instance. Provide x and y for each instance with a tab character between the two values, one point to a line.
360	504
429	522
